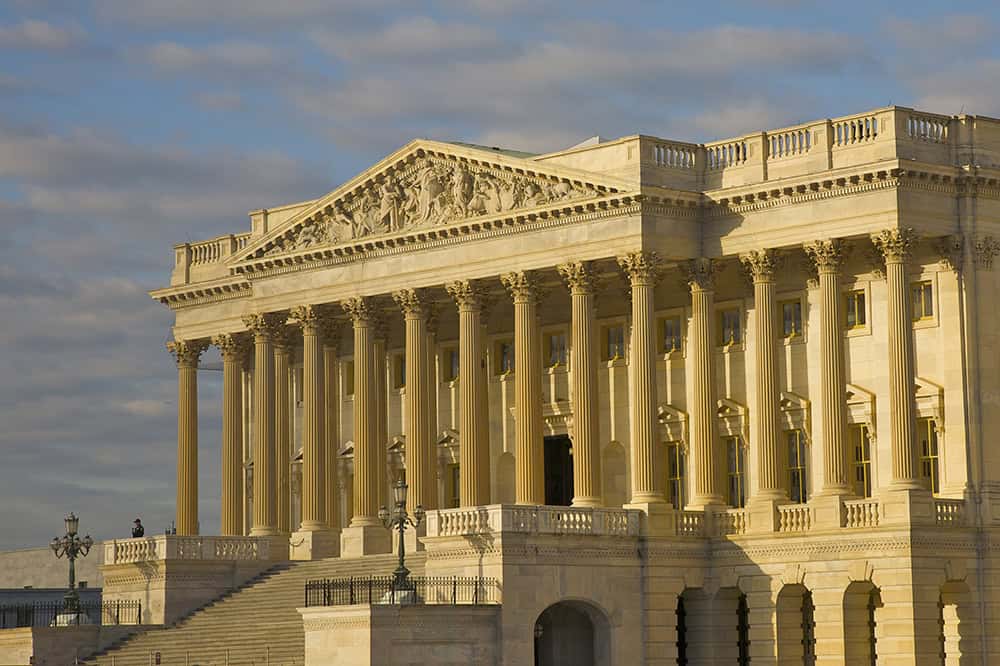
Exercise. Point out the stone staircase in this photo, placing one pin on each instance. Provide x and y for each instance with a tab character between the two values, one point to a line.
255	624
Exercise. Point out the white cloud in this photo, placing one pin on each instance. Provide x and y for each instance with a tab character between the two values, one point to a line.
417	37
37	35
234	56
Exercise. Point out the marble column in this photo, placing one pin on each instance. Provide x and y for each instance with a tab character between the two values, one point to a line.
235	349
264	328
828	256
581	280
707	473
894	244
418	450
187	353
432	409
332	330
771	464
381	415
474	448
282	429
642	269
529	452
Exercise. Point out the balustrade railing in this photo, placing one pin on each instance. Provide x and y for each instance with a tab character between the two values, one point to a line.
732	522
932	129
949	512
533	520
690	523
794	518
854	130
788	142
677	156
170	547
861	513
438	590
726	154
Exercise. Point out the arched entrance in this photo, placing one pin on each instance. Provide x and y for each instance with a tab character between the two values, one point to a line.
572	632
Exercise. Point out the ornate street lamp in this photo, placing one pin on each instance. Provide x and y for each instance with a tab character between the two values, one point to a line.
399	519
72	547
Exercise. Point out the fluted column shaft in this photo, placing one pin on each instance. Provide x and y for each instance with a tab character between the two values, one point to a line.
282	433
264	328
583	365
895	247
187	354
529	453
313	420
707	475
331	448
828	257
770	457
474	450
647	485
431	407
381	416
366	476
418	447
234	352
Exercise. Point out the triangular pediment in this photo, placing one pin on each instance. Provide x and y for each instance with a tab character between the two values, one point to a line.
424	187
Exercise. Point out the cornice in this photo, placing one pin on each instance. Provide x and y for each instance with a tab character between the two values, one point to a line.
188	295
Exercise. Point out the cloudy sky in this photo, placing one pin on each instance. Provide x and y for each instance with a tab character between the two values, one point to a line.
129	125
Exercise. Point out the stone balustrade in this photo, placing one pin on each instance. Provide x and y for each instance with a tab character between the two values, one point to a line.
949	512
731	522
795	518
204	260
169	547
861	513
532	520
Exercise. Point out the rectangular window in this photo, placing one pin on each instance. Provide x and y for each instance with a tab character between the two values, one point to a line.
675	474
452	492
730	327
796	466
923	301
862	445
614	342
399	371
555	349
791	318
736	472
503	357
856	312
347	379
928	438
670	335
449	365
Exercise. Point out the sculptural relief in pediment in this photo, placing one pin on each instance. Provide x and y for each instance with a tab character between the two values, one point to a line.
424	192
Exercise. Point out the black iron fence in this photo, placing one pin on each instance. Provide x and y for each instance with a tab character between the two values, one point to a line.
449	590
52	614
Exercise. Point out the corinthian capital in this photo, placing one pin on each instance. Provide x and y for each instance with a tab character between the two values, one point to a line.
760	264
466	294
233	346
827	255
641	267
700	274
360	309
265	326
187	352
412	302
894	244
579	276
523	286
313	319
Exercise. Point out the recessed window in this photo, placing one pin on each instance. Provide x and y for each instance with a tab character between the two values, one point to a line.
928	437
453	486
614	342
347	379
449	365
399	371
670	335
503	357
555	349
675	474
736	466
791	318
861	443
856	312
730	327
796	466
923	301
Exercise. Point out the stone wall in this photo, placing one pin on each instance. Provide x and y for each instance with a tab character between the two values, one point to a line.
40	568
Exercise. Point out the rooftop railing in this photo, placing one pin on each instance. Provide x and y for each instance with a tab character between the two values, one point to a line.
436	590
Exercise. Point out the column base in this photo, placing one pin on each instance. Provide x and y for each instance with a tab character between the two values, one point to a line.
657	518
411	539
361	540
828	510
908	506
762	515
314	544
277	545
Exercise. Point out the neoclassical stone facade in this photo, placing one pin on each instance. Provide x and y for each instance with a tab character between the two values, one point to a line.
762	372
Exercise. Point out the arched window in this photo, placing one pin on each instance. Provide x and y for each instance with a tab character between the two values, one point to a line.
743	631
808	630
682	659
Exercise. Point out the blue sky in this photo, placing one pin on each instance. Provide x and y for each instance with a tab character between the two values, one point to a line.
130	125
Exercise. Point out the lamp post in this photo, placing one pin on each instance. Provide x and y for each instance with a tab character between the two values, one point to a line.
399	519
72	547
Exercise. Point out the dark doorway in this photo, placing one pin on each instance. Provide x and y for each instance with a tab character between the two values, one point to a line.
572	633
558	471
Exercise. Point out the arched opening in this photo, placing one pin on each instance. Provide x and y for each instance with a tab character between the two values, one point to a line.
796	627
572	632
959	629
613	466
862	601
682	652
716	628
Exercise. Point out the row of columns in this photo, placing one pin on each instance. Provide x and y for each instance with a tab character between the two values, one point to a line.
319	509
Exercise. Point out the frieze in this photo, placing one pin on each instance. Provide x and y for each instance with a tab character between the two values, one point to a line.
424	192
